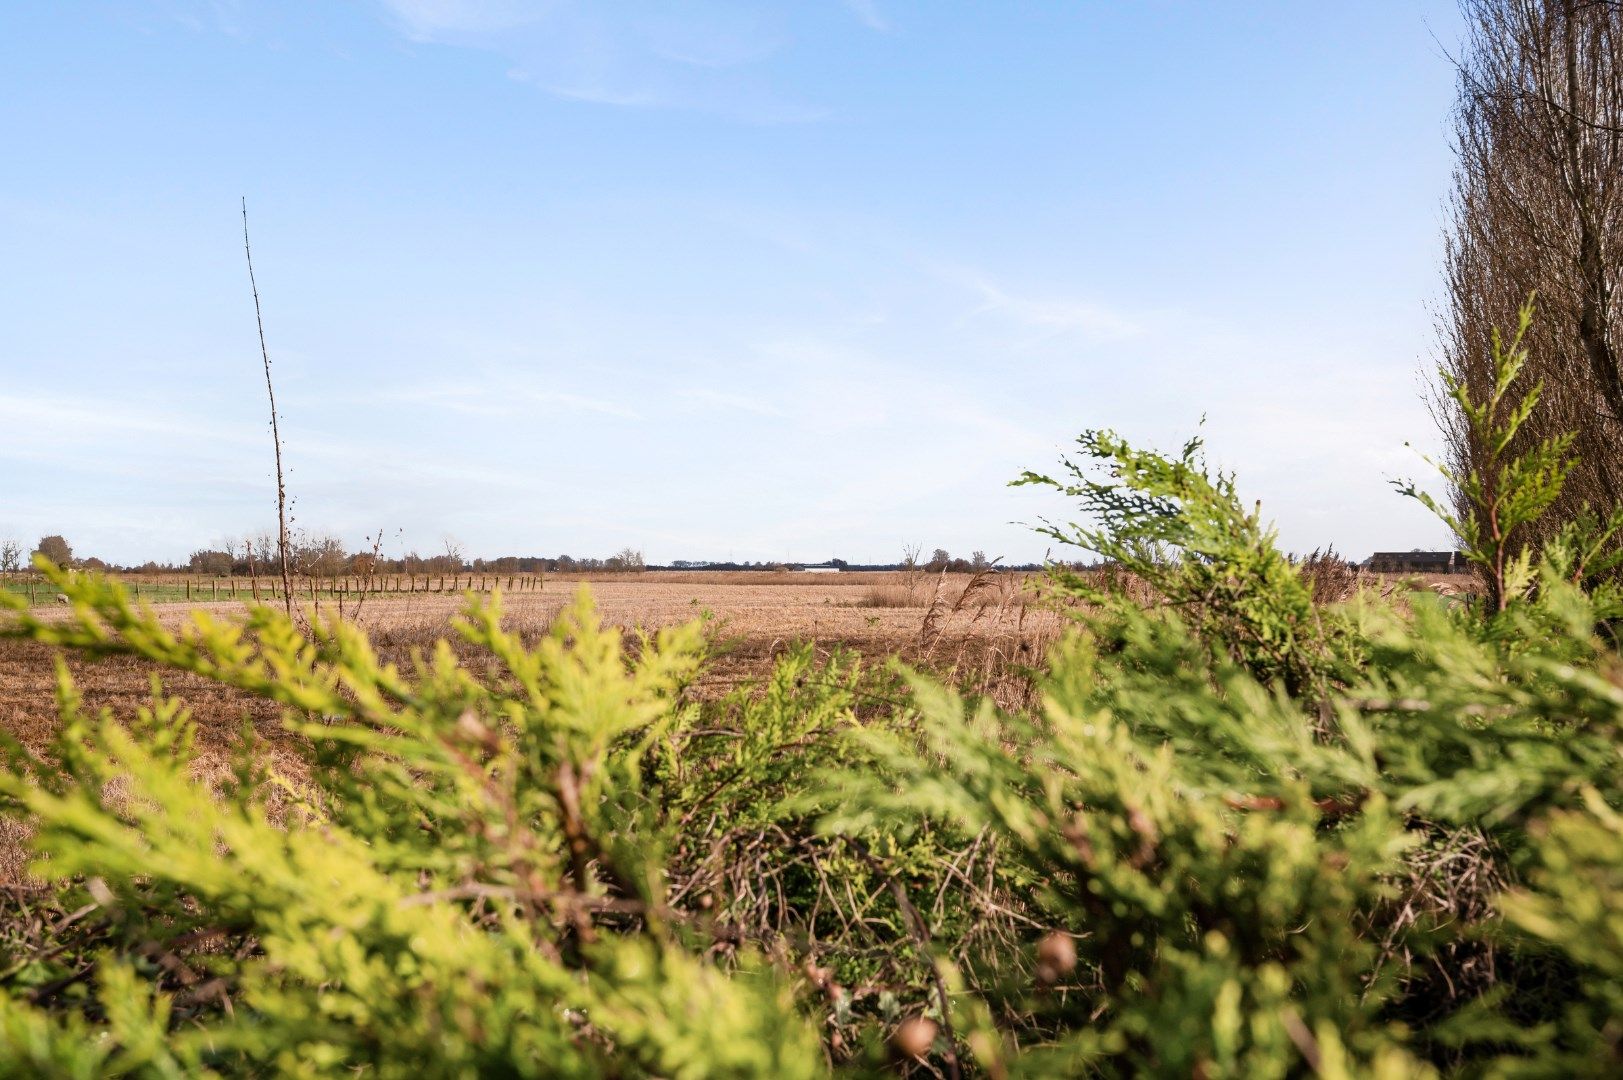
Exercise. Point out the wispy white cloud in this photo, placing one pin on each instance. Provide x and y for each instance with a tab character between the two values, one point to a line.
710	35
42	424
426	20
710	57
224	16
583	404
504	395
1050	313
457	399
349	464
867	13
722	400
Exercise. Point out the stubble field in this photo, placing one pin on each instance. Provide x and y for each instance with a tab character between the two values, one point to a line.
985	633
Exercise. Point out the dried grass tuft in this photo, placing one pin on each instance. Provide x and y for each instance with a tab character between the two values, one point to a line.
1329	577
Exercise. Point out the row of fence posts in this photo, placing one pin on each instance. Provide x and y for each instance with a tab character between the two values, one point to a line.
234	588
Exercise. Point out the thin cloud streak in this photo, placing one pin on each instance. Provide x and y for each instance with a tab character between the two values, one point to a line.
426	20
715	58
1094	321
497	394
739	402
867	13
36	421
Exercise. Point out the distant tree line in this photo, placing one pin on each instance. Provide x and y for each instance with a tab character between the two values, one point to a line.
320	554
939	561
13	556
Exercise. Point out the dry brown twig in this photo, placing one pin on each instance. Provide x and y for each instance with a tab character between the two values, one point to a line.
276	431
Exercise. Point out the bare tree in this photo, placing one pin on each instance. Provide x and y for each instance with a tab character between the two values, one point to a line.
318	553
1537	208
453	553
11	556
263	546
276	430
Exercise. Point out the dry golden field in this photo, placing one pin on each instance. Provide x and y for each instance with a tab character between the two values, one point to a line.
987	633
983	632
753	617
974	630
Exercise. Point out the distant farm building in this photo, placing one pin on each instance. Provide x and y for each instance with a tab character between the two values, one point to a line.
820	569
1418	562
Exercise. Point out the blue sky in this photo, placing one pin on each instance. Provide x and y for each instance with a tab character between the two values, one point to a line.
750	280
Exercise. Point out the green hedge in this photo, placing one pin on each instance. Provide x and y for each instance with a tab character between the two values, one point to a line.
1242	834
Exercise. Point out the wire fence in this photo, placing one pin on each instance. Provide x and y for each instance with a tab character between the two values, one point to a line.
200	588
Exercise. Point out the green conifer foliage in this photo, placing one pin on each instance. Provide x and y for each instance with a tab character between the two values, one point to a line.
1240	834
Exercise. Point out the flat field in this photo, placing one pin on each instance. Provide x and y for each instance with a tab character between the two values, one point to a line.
976	631
752	618
988	634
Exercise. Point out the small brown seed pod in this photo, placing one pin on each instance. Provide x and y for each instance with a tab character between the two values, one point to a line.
1056	952
914	1037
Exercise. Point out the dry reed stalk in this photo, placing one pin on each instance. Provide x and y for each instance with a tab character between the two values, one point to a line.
938	613
1329	577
